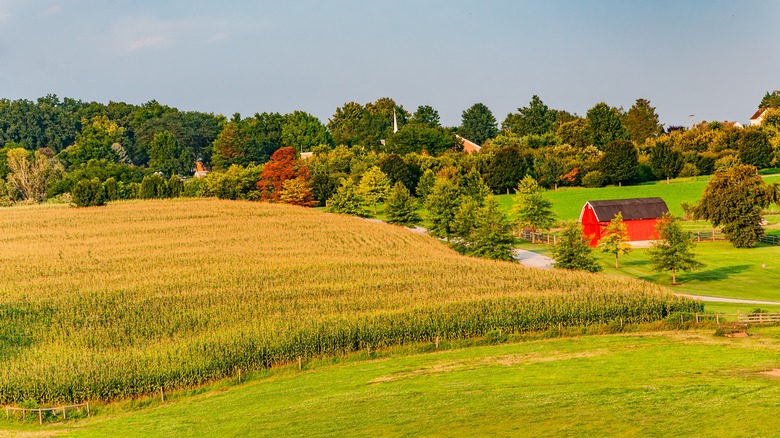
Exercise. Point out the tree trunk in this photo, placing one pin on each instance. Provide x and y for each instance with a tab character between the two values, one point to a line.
374	208
616	261
674	277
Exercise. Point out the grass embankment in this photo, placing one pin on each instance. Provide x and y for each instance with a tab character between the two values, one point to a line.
659	384
106	303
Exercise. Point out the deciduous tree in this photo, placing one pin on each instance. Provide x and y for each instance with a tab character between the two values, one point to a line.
532	209
374	186
620	161
168	156
347	200
615	238
604	125
734	200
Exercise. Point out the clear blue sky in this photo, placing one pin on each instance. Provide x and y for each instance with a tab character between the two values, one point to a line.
711	58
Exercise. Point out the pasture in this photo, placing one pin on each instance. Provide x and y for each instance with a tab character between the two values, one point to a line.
568	202
648	384
113	302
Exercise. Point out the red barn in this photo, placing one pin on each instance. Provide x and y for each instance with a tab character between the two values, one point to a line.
639	214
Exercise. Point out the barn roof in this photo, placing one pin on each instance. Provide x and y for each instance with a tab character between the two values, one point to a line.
632	209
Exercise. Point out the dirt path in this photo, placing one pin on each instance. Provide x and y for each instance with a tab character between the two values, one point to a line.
532	259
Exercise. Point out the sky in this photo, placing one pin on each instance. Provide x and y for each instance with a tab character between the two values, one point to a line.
711	58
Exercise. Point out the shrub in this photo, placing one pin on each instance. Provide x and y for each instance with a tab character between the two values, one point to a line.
152	186
689	170
594	179
111	188
88	193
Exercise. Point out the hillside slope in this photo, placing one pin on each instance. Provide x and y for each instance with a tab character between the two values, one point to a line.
104	303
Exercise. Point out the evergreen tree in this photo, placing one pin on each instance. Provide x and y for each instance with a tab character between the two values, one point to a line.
641	122
425	186
615	238
483	230
674	249
401	207
572	251
442	204
478	124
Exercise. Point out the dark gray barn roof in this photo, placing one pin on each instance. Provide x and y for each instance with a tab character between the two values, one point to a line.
632	209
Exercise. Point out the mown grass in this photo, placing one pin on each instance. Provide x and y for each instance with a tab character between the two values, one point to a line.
752	273
112	302
649	384
568	202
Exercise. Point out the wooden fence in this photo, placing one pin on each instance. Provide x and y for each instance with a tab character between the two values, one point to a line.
696	236
739	317
13	411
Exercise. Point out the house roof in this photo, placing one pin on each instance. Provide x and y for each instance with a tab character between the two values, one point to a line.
468	145
632	209
758	113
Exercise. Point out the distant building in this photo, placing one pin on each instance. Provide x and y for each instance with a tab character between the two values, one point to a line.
306	155
200	170
468	145
758	117
639	214
727	124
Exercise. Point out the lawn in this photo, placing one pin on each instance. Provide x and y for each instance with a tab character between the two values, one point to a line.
648	384
568	202
728	272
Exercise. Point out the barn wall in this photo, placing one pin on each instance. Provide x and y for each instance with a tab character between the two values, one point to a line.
643	229
591	226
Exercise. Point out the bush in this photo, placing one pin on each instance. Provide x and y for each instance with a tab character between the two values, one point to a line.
111	189
153	186
174	187
88	193
689	170
594	179
195	188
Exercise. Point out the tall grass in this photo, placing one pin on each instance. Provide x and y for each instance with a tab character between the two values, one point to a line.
111	302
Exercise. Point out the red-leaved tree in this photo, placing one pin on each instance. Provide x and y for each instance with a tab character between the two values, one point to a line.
282	167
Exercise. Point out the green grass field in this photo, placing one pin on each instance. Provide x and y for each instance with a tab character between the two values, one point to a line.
648	384
568	202
728	272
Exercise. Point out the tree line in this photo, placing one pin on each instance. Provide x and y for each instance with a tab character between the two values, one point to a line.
67	141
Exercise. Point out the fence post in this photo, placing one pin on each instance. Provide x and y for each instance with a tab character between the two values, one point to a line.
697	318
162	394
63	413
87	409
40	416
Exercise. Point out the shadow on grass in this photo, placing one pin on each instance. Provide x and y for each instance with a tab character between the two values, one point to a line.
715	274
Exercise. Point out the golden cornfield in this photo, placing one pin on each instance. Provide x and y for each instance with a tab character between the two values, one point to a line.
116	301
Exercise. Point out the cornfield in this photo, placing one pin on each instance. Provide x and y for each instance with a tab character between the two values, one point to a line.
117	301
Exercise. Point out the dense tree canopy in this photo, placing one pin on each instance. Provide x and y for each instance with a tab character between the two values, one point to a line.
604	125
734	200
535	119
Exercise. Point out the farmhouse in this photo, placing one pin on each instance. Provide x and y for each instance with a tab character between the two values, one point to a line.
639	214
758	117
